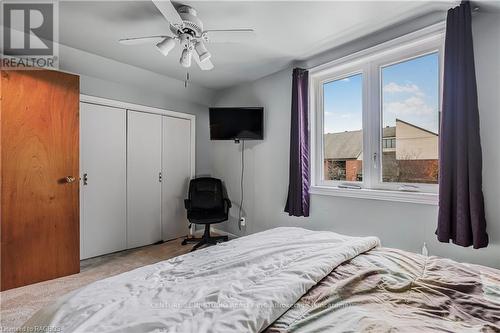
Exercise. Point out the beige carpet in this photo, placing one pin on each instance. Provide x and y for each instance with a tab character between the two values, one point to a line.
17	305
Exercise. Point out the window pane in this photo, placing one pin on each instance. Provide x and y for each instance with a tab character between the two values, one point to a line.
343	129
410	114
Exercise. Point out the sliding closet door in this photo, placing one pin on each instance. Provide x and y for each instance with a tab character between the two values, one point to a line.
143	178
103	191
176	175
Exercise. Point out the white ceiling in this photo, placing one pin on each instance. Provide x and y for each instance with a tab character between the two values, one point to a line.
285	31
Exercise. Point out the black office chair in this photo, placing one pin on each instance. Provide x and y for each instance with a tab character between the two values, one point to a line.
206	204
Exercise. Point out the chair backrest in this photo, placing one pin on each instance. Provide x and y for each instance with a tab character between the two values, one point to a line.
206	193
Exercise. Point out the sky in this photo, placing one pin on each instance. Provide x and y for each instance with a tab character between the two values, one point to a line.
410	93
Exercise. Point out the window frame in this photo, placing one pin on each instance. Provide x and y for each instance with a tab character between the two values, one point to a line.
370	63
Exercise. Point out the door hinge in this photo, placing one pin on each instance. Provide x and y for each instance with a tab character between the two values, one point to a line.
159	177
85	179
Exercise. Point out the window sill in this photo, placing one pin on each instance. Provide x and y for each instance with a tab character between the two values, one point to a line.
386	195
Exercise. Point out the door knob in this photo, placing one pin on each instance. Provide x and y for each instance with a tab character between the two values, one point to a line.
69	179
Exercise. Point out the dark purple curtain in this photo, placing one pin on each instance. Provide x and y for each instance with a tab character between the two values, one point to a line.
297	203
461	216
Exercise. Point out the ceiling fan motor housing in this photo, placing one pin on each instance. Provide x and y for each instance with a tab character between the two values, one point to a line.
192	24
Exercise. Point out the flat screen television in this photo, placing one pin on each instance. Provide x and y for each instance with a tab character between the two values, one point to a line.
234	123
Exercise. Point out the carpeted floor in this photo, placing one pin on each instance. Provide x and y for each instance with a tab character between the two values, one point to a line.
17	305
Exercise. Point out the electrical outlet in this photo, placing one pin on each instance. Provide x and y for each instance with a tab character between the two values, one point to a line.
243	221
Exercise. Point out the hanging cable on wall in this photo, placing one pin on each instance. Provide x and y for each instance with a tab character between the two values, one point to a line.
241	181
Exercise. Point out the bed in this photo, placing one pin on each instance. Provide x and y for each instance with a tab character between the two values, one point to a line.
286	280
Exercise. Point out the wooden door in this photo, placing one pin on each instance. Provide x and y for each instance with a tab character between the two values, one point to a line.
39	142
176	165
143	178
104	173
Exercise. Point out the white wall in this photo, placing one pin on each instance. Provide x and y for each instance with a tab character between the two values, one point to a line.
107	78
399	225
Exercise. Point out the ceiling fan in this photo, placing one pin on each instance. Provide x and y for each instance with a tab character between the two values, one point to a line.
187	29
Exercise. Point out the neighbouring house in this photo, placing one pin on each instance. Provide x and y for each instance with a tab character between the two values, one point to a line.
409	154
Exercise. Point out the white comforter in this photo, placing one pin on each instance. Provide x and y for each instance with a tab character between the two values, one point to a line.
239	286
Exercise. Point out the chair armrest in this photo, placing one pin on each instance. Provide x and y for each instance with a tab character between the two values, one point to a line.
228	203
187	204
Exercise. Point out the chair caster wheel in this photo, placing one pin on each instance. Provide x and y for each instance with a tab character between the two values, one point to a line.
184	242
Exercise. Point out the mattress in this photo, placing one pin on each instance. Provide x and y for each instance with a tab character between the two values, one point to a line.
389	290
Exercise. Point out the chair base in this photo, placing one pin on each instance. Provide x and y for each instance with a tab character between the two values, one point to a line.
206	239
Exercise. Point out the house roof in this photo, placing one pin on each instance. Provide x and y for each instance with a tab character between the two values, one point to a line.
349	144
389	132
343	145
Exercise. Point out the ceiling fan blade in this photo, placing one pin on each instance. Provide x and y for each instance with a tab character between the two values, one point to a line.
142	40
169	12
229	35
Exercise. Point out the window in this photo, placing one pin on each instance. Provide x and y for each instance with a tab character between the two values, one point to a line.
410	104
375	122
343	129
388	143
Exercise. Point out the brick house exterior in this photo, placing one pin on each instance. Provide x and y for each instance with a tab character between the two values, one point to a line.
354	170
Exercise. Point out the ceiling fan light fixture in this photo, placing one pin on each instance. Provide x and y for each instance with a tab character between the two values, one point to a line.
166	45
186	56
202	51
205	56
